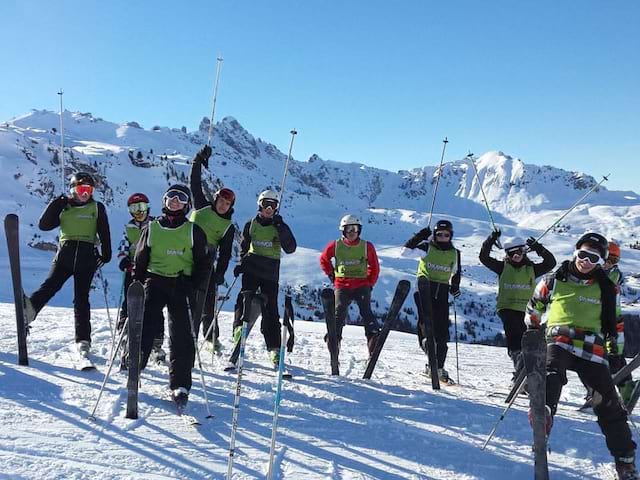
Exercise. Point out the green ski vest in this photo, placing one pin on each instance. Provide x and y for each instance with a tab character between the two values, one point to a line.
134	232
515	287
576	305
213	224
79	223
351	261
265	240
171	249
438	265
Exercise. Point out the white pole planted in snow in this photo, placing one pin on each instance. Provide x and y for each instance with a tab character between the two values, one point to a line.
62	144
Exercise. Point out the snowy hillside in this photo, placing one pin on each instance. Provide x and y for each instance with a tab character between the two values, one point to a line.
126	158
393	427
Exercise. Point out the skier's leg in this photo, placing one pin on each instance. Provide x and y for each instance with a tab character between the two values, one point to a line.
514	328
123	308
157	291
270	325
441	324
343	298
58	275
558	361
362	297
81	307
182	353
612	417
208	313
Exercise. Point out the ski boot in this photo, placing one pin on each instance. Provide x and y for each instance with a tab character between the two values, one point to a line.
444	377
29	311
180	396
158	353
626	468
548	418
83	347
274	356
372	341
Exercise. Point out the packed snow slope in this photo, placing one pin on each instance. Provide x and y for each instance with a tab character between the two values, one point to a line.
525	200
393	427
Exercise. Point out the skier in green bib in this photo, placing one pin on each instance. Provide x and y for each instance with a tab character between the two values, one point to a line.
171	259
579	301
83	226
440	267
138	206
516	280
214	217
263	238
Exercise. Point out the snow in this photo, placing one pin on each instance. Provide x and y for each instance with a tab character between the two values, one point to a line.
392	427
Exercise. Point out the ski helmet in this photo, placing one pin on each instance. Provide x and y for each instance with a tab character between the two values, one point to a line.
513	243
598	242
349	220
614	249
225	193
82	178
268	195
443	225
182	193
137	198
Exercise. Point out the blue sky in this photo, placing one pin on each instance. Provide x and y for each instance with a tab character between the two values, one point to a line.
376	82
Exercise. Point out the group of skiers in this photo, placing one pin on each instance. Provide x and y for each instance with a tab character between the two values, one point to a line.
182	259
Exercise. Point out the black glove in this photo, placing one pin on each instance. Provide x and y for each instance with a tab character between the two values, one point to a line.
100	260
495	235
332	277
203	155
237	270
125	265
219	278
424	234
277	221
533	244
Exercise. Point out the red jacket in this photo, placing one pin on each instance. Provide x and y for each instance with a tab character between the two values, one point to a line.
373	268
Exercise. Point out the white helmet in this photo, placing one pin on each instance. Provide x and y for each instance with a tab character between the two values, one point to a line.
350	220
514	243
268	195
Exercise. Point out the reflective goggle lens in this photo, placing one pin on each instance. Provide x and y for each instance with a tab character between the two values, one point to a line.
82	190
138	207
591	257
515	251
273	204
443	234
177	194
351	229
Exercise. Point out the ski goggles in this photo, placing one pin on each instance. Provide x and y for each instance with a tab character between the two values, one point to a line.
179	195
227	194
590	256
515	251
443	234
268	203
139	207
82	190
351	229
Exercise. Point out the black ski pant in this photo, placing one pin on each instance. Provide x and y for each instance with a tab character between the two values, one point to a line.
270	325
128	280
612	417
207	313
172	293
77	260
362	297
439	296
514	328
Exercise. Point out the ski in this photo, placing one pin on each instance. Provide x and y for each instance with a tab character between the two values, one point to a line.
135	307
633	399
11	230
534	351
329	306
617	379
254	312
188	420
427	341
402	290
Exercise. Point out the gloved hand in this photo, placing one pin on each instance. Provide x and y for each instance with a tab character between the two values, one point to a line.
218	278
277	221
237	270
63	200
533	244
495	235
332	277
611	345
203	155
100	260
456	293
126	265
424	234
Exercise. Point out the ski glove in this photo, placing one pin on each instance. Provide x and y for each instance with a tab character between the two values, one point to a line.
203	155
495	235
277	221
533	244
237	270
218	278
424	234
100	260
125	265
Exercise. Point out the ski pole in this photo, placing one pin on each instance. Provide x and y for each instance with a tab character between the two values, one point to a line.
455	332
504	413
195	345
276	408
604	179
486	203
219	61
286	165
114	354
435	190
215	317
106	302
62	144
247	301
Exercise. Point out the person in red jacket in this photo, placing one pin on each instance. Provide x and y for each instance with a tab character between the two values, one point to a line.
353	273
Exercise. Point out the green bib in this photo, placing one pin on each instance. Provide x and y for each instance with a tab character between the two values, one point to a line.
79	223
265	240
351	261
213	224
438	265
134	232
515	287
576	305
171	249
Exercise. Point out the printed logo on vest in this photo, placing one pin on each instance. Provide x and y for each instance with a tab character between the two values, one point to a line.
439	268
175	253
516	286
348	263
592	301
263	243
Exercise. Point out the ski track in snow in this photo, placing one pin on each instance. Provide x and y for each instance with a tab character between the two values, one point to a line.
338	428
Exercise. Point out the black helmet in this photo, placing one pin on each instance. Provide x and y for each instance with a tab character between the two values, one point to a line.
82	178
182	193
444	225
597	241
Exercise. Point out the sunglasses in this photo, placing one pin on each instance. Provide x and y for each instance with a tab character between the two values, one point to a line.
138	207
178	195
515	251
82	190
351	229
272	204
227	194
591	257
443	234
